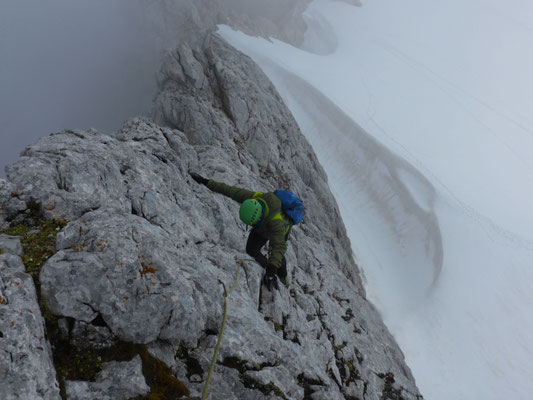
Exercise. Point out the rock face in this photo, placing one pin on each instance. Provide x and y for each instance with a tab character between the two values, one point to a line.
117	381
146	248
11	245
10	204
26	369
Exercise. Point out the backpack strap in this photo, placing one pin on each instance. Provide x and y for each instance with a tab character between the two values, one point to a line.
264	203
279	215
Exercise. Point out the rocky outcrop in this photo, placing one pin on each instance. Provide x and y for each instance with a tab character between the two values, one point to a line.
26	369
146	251
10	205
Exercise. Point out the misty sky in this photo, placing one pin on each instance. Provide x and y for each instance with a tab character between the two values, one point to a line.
88	63
71	64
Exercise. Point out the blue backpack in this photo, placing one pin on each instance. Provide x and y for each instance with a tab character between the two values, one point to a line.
291	205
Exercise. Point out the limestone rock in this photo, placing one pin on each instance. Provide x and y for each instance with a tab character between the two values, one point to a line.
10	245
134	275
89	336
26	368
10	204
117	381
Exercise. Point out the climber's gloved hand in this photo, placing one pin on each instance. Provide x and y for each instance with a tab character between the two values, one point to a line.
198	178
270	279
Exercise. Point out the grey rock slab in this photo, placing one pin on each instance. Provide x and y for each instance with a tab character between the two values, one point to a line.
11	245
26	364
117	381
12	263
132	274
89	336
284	381
10	204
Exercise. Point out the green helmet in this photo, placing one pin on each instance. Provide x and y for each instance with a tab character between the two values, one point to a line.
250	211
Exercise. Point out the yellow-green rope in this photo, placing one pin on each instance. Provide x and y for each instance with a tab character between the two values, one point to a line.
217	347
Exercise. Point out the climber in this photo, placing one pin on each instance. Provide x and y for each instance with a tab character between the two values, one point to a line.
263	212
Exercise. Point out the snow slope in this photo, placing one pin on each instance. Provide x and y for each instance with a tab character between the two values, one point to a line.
422	115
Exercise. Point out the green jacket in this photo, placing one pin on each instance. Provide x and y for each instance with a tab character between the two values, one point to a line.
273	226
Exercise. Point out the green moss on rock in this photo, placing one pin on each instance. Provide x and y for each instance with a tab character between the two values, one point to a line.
270	387
38	242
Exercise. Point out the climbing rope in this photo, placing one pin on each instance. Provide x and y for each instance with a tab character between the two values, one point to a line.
217	347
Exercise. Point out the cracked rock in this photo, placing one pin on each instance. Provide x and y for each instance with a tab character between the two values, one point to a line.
117	381
11	245
89	336
26	368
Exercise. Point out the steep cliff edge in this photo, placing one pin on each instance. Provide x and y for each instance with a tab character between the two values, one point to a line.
145	250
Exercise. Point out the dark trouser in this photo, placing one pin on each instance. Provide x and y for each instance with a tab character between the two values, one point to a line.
253	247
